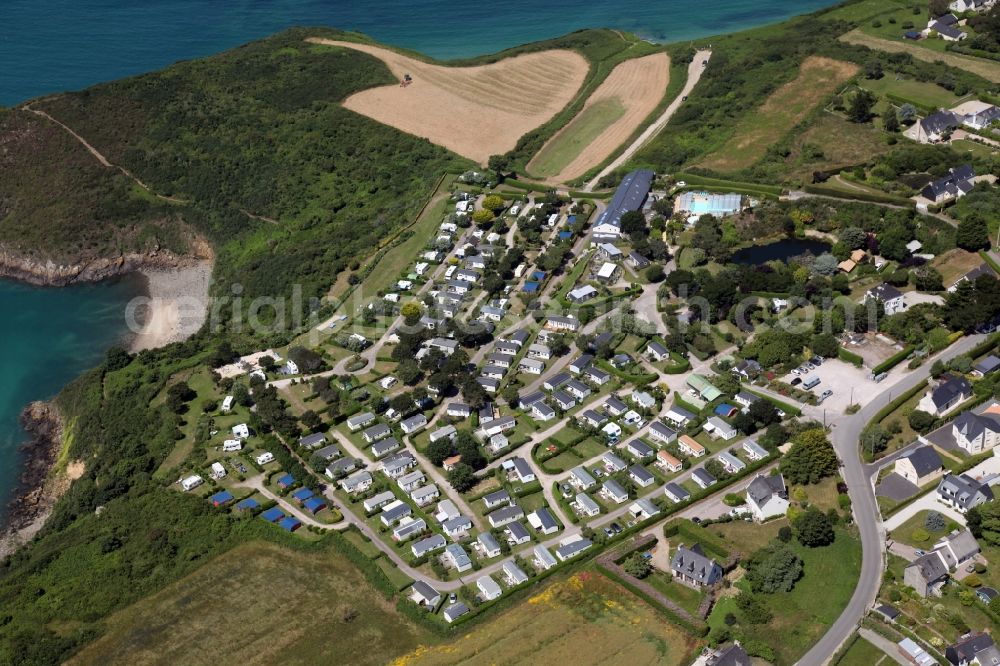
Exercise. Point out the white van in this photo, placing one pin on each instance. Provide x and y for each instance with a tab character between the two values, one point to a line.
810	382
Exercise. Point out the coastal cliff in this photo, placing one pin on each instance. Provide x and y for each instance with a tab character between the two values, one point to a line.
38	489
50	273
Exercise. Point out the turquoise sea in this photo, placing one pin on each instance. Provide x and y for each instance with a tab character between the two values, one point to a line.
52	335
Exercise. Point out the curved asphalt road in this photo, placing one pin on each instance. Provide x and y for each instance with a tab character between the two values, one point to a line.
845	435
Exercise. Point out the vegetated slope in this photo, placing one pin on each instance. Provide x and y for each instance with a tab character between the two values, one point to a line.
475	111
988	69
611	114
57	201
784	108
260	131
259	604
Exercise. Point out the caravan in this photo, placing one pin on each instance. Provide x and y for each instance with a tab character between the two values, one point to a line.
231	445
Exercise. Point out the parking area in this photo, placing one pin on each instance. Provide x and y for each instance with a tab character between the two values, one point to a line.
846	382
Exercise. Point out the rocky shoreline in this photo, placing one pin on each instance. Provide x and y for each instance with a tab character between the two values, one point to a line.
37	490
48	273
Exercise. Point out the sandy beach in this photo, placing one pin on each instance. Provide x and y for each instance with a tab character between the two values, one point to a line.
174	309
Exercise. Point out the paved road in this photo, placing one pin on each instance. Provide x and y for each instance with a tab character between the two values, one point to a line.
695	70
846	432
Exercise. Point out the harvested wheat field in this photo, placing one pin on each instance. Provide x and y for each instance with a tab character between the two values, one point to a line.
610	116
786	106
474	111
583	620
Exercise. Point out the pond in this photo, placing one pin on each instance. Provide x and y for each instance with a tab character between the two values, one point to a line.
779	250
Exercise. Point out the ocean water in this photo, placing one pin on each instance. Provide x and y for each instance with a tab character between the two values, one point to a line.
52	335
53	45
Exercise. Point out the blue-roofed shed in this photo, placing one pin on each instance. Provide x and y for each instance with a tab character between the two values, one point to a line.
272	515
302	494
290	523
571	219
538	275
565	235
287	481
314	505
249	504
221	497
530	287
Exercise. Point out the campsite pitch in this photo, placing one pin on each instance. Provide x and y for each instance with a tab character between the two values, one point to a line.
474	111
610	116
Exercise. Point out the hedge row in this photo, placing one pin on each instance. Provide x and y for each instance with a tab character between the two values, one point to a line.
789	410
709	183
896	402
837	193
698	534
849	357
893	360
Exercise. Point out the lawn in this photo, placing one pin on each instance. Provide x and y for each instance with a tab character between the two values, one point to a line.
786	107
562	462
585	619
259	604
905	532
684	596
577	135
973	148
901	415
803	615
863	653
918	93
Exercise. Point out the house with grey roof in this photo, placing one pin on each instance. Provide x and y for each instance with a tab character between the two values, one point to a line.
394	511
424	495
398	465
926	574
413	424
731	463
455	611
753	450
920	466
643	509
495	499
676	493
408	528
555	381
693	568
376	432
957	548
357	482
976	433
662	433
384	447
641	476
423	594
543	558
513	573
615	407
643	400
411	480
517	533
656	352
973	649
639	449
702	477
340	468
359	421
963	492
488	545
951	391
542	412
581	479
891	298
378	500
456	556
312	441
767	497
488	588
563	400
505	516
577	389
567	551
614	491
585	506
457	527
328	453
428	545
543	521
458	410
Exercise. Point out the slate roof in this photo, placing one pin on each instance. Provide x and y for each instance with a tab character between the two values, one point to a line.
763	487
925	460
629	196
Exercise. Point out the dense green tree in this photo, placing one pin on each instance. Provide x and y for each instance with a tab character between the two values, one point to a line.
874	439
637	566
774	568
813	528
860	108
890	122
754	610
462	478
920	421
810	459
825	344
972	234
440	450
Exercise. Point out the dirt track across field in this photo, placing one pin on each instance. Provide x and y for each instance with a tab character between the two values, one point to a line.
988	69
637	85
473	111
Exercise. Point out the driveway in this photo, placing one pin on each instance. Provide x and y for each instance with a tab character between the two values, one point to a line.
926	503
896	488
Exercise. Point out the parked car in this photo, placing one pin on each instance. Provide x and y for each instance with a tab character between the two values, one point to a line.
816	360
796	371
616	528
567	491
825	394
796	381
608	532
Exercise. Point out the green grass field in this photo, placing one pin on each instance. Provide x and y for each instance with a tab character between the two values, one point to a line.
863	653
905	533
801	616
259	604
576	136
973	148
917	92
